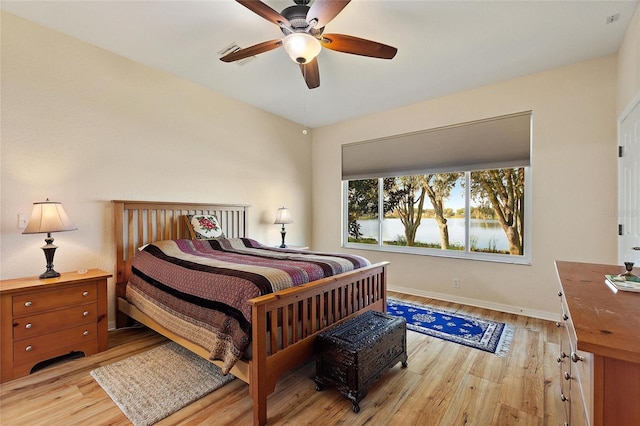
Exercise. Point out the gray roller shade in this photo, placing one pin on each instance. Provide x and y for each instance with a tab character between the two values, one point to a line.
493	143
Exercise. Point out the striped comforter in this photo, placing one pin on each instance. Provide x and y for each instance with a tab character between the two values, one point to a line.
199	288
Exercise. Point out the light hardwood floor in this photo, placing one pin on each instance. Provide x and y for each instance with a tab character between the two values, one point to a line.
445	384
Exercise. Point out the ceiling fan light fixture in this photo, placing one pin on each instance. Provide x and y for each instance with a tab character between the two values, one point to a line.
301	47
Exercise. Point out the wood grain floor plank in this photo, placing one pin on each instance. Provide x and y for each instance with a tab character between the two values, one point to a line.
475	401
444	384
509	416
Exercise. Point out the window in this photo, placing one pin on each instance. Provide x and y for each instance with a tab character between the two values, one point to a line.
421	209
467	210
363	211
476	214
497	214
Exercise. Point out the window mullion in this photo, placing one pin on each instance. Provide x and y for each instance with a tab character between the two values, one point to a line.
380	209
467	212
345	212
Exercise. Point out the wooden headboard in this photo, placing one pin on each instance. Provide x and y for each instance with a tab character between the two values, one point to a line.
141	222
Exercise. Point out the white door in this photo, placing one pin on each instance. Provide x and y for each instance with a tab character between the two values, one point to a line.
629	187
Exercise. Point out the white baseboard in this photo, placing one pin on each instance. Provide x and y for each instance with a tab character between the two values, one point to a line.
517	310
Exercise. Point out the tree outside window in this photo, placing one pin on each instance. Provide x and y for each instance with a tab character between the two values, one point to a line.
418	199
498	196
362	206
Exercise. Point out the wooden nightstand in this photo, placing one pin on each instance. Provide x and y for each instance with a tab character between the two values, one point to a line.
48	318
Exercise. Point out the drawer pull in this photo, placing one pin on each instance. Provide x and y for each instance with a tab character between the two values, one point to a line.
28	348
85	333
575	357
567	376
85	293
565	317
559	294
85	314
563	397
28	325
27	303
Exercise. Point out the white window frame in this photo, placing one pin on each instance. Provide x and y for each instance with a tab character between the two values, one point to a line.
524	259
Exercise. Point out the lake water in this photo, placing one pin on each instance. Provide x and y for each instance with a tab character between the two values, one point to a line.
488	232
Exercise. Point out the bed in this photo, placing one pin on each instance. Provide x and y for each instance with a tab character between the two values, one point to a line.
298	313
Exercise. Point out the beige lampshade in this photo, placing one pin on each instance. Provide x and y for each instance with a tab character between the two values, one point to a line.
48	216
283	216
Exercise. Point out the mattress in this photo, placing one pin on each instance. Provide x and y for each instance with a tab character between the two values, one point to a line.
199	289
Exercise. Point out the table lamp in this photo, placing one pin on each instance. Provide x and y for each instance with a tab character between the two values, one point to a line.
283	217
47	217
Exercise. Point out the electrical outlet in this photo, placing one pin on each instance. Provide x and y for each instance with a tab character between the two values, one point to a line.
23	219
456	283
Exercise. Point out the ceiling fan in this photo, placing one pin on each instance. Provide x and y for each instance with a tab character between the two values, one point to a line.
303	28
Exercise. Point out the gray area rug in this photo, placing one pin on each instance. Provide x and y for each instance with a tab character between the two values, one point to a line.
150	386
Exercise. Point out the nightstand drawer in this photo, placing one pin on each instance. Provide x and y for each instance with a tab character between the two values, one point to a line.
35	325
35	347
25	304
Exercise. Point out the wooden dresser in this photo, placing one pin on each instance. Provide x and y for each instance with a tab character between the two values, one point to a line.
41	319
600	350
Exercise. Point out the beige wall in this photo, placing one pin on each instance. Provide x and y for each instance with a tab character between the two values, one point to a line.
574	184
629	66
83	126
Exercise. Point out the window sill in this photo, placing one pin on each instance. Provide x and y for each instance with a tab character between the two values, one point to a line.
454	254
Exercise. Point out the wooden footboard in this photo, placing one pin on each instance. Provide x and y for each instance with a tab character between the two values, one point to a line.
307	309
296	314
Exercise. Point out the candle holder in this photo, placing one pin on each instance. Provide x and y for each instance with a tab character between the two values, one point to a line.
629	267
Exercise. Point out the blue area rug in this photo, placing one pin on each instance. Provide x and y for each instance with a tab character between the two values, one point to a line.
479	333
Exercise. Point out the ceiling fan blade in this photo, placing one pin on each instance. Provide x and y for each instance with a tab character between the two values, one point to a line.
358	46
252	50
311	73
325	10
259	8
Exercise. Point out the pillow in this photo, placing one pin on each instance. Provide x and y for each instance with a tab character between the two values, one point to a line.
203	226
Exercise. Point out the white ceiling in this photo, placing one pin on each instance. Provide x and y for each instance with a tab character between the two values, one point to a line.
444	47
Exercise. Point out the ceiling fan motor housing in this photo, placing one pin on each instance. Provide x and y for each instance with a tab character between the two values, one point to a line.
297	16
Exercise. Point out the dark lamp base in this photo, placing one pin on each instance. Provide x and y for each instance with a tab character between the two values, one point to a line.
49	273
49	250
283	233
